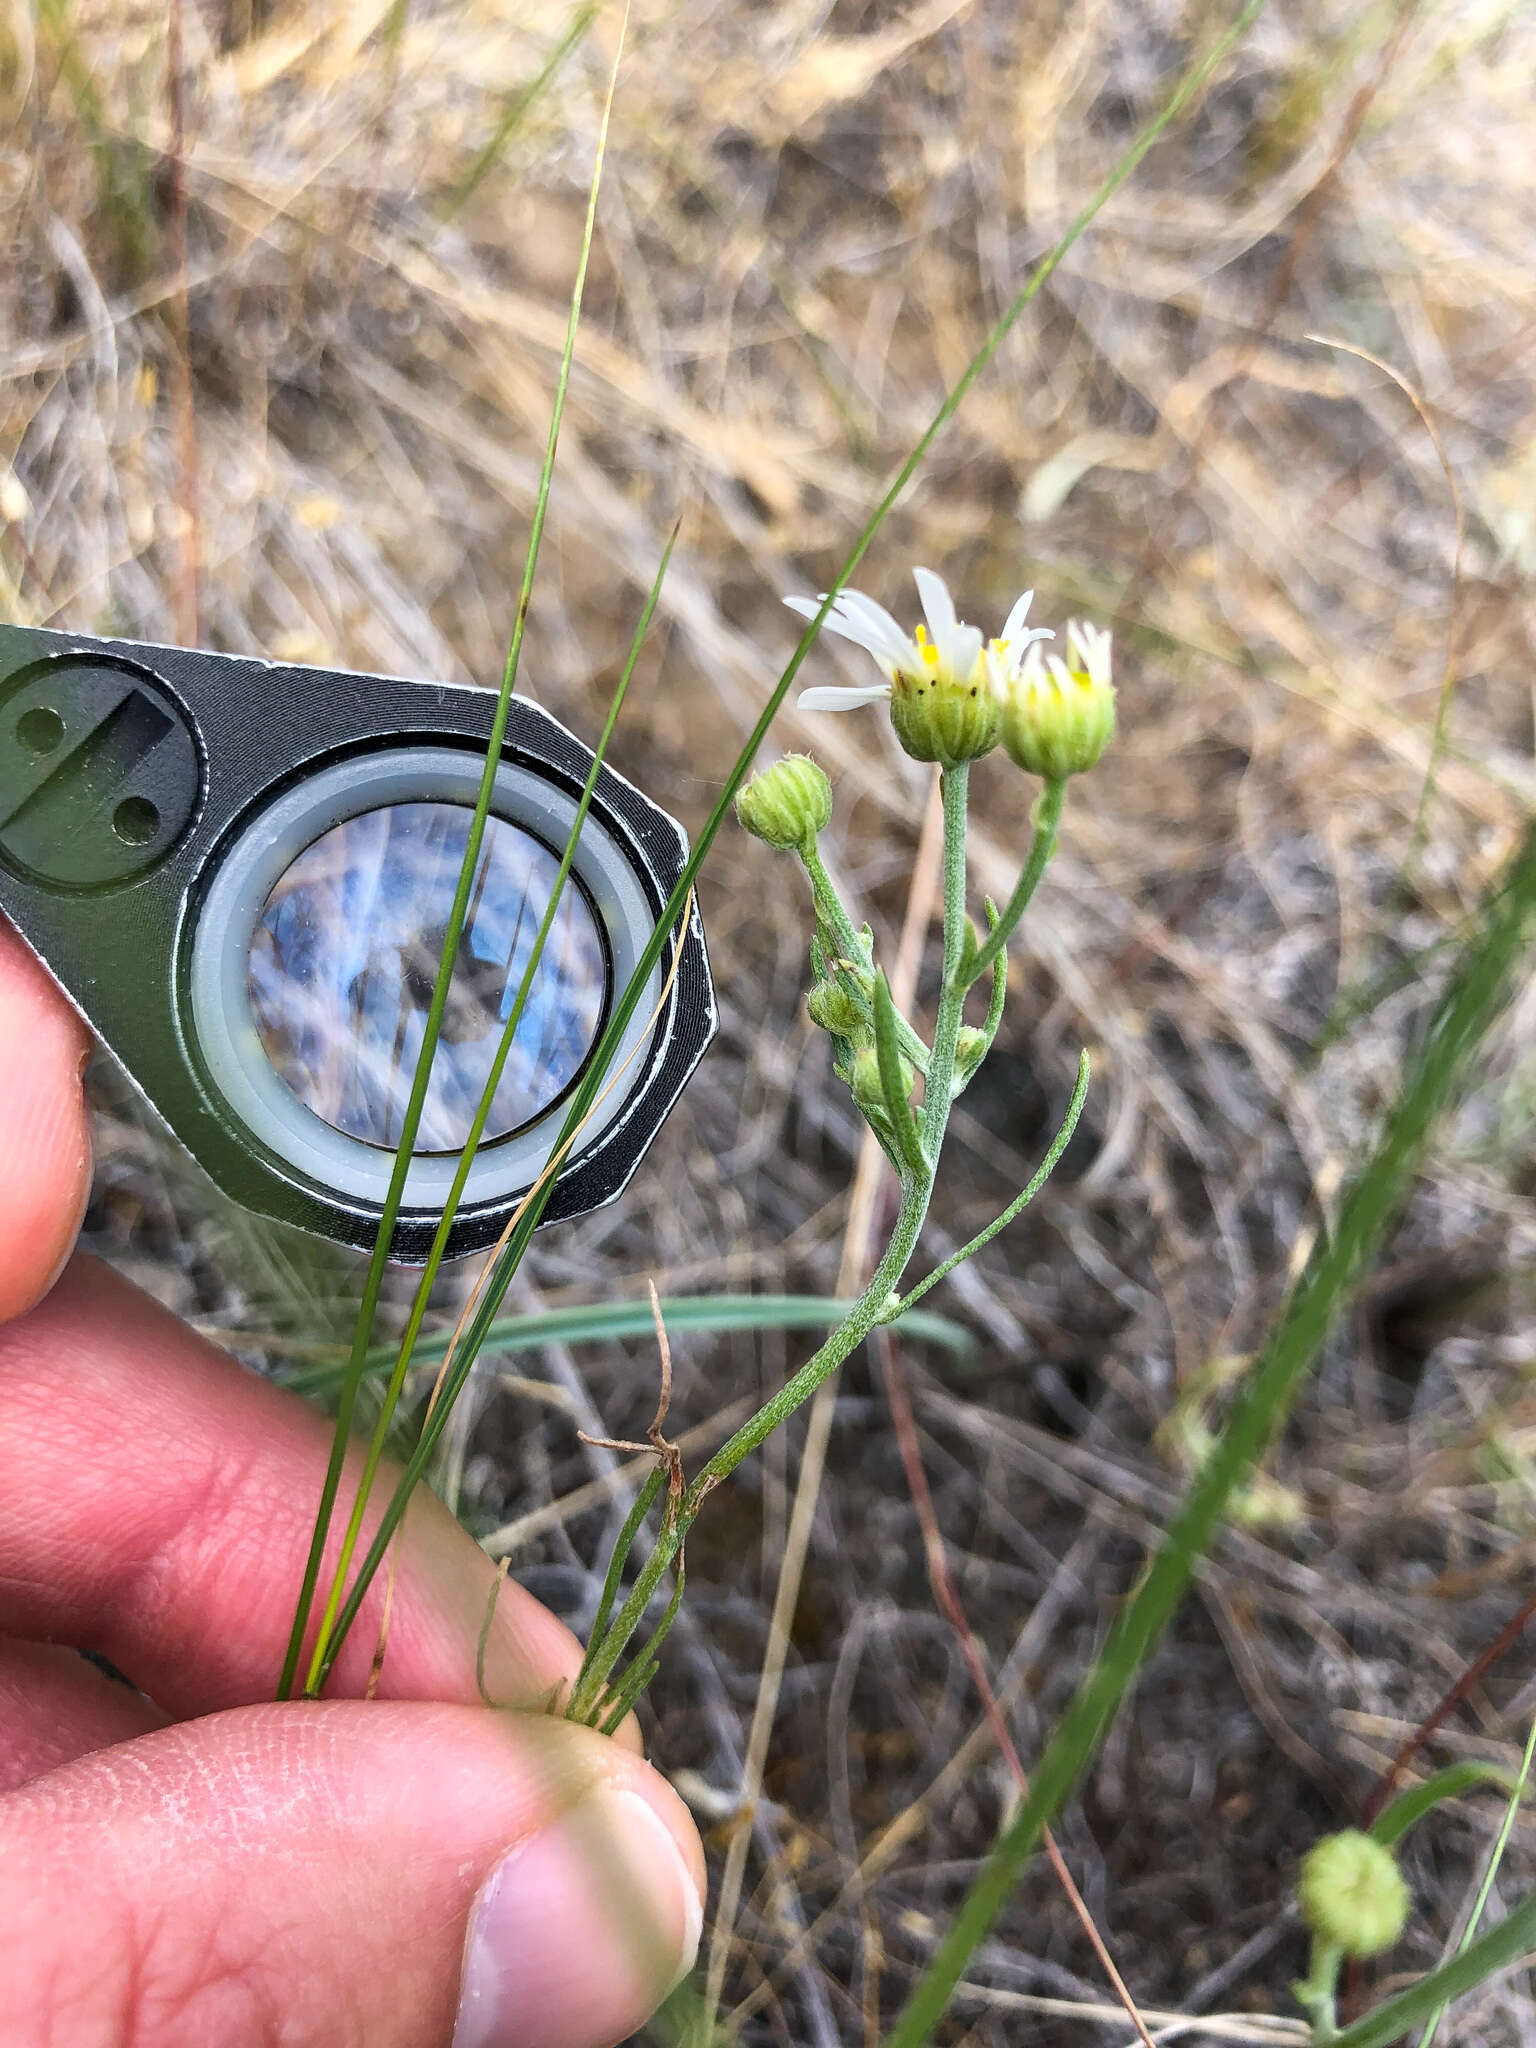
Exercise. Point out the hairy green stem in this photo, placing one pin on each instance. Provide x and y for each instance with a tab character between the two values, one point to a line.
1047	825
939	1088
872	1305
853	946
1020	1201
603	1655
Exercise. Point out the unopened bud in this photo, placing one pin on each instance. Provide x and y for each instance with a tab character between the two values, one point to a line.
834	1009
1351	1893
970	1050
1059	716
788	804
864	1079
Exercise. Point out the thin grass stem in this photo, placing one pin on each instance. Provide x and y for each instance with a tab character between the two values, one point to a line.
410	1122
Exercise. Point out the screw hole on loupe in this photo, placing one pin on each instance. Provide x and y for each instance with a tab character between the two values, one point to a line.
40	729
135	821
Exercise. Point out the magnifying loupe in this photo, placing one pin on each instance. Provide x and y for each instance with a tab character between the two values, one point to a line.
241	874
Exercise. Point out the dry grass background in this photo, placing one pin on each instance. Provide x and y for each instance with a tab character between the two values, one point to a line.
811	214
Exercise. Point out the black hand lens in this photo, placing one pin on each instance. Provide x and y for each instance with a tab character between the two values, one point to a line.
241	873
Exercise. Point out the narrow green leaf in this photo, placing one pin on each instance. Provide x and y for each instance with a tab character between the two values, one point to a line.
644	1501
1454	1782
322	1654
609	1321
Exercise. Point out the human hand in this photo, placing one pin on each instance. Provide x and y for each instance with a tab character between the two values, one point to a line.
213	1870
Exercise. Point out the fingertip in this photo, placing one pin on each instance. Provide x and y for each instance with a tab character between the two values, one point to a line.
44	1134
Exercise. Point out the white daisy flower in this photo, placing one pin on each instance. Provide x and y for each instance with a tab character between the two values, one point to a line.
943	683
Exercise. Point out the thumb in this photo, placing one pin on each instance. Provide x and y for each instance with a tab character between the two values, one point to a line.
332	1873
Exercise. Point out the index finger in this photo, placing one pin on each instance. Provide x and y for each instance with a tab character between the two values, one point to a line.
44	1138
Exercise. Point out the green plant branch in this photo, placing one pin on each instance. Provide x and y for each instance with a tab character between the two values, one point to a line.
833	912
939	1089
1317	1991
1021	1201
898	1101
997	997
1043	845
852	946
603	1654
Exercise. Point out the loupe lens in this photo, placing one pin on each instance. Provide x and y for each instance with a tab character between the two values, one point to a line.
345	958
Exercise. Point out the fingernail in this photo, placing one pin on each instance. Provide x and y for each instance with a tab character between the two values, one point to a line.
579	1932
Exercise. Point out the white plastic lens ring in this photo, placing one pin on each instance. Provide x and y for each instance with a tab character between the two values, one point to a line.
233	1041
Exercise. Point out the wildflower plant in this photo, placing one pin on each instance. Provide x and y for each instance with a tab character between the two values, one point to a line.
946	691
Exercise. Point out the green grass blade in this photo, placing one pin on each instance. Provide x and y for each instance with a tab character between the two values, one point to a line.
513	111
501	1277
1512	1941
645	1500
1476	993
373	1285
1454	1782
406	1350
609	1321
1495	1858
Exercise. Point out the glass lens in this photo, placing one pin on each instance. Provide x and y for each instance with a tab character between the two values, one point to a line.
345	958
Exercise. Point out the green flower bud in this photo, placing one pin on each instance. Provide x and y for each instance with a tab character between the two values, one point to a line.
788	804
834	1009
1352	1894
1059	716
970	1050
944	714
864	1079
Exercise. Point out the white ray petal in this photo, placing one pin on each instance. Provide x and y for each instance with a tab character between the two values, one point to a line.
961	652
880	632
939	610
833	697
859	619
1013	625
